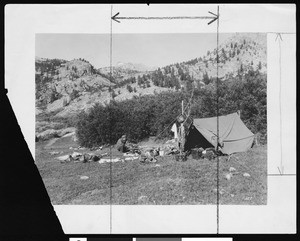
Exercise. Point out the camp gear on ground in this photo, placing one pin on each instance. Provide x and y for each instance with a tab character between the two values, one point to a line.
95	158
107	160
149	155
130	154
196	153
181	157
131	158
123	148
209	154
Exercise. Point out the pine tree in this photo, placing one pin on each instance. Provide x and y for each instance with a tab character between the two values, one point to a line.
129	88
259	65
140	81
113	94
224	54
206	79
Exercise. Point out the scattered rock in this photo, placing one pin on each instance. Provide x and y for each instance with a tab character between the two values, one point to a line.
157	165
232	195
104	154
248	198
246	174
54	133
69	134
142	198
84	177
54	153
228	176
48	134
222	191
62	158
232	169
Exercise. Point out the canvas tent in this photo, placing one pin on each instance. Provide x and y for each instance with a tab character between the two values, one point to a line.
234	136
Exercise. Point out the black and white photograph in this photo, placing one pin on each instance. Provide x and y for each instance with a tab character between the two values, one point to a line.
157	119
153	117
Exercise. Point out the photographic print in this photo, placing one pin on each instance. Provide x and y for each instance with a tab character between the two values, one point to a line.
173	119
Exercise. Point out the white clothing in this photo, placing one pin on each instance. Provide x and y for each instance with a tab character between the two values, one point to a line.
174	129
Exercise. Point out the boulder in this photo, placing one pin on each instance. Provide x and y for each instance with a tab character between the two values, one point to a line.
62	158
48	134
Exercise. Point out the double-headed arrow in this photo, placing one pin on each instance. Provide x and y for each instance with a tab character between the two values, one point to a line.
281	168
213	16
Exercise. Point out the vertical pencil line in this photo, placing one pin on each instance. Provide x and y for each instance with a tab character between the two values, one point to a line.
280	118
217	87
110	148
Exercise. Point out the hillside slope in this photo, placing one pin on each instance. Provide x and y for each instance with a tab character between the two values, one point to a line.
67	87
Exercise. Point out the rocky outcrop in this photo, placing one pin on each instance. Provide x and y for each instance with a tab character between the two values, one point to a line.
52	133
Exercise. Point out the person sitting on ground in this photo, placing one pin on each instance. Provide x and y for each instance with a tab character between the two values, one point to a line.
121	144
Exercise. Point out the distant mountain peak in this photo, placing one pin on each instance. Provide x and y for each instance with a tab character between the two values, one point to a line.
134	66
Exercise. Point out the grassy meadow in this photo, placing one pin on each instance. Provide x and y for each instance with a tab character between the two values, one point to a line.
165	182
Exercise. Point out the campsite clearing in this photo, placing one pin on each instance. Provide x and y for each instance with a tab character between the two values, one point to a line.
162	183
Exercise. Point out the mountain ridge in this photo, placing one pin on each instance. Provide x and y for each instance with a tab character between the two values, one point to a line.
67	87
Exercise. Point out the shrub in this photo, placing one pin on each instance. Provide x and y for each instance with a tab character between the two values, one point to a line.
152	115
138	118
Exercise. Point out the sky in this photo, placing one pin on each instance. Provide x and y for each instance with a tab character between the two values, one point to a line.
152	50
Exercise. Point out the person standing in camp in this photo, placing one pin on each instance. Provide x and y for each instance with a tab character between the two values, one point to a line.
121	144
181	133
